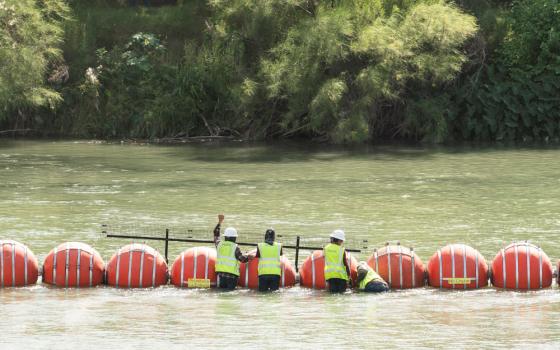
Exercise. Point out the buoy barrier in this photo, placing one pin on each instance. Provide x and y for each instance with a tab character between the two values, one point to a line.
457	266
18	264
312	274
399	266
249	273
136	266
195	268
73	264
521	265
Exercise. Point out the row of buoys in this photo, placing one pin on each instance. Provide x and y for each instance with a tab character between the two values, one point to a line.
519	266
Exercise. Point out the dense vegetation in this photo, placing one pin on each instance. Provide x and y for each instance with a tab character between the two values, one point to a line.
337	71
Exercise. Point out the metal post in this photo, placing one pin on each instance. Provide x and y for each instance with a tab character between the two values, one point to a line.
166	244
297	253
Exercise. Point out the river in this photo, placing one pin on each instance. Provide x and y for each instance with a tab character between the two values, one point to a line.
57	191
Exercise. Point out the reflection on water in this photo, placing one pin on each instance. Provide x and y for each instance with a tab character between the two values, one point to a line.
51	192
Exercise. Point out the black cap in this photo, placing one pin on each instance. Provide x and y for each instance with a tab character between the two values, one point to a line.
269	235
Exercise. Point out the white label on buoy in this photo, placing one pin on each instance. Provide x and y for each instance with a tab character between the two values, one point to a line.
198	283
459	280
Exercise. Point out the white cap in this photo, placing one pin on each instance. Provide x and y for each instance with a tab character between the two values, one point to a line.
338	234
230	232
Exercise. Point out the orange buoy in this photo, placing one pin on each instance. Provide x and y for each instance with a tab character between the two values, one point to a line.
521	265
136	266
312	271
249	273
457	266
399	266
18	265
73	264
195	268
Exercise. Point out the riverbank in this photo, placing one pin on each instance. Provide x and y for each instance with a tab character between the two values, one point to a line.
275	71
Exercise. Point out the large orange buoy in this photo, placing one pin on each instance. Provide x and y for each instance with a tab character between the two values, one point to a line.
195	268
249	273
457	266
399	266
18	265
136	266
521	265
73	264
312	274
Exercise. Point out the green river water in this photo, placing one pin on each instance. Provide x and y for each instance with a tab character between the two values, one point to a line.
53	192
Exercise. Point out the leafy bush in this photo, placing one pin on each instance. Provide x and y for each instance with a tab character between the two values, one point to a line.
30	56
517	98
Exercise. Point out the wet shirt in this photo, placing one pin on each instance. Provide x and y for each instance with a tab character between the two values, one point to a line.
238	255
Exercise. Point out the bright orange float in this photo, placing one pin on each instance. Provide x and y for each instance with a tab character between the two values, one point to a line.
18	265
73	264
521	265
457	266
136	266
312	274
249	273
195	267
399	266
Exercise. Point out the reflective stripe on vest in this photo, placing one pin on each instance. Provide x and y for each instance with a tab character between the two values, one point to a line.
334	265
269	259
371	276
226	261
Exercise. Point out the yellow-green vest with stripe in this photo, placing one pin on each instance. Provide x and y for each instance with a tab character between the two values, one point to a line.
371	276
269	259
334	264
226	261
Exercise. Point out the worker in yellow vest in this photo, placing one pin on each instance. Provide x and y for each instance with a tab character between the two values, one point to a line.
228	256
269	254
369	281
337	271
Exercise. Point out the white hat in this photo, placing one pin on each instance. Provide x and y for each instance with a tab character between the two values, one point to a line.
230	232
338	234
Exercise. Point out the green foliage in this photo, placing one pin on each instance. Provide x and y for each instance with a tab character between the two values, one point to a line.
30	39
338	71
534	35
336	76
518	97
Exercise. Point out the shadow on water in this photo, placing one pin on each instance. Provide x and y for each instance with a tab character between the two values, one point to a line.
277	152
268	152
294	152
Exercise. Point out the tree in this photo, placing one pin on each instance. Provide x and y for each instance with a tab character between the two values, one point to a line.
31	34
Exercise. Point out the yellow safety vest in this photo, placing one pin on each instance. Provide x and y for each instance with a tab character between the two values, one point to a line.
226	261
371	276
334	264
269	260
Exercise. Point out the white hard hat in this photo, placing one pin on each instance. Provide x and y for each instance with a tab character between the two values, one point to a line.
338	234
230	232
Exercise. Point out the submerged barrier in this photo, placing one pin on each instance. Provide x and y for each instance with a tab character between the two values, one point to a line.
18	265
136	266
399	266
457	266
518	266
73	264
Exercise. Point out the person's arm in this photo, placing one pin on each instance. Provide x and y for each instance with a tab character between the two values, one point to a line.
240	256
258	255
344	258
217	229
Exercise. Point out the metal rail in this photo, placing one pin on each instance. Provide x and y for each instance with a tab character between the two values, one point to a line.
168	239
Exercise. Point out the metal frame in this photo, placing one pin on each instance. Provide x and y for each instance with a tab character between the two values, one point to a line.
168	239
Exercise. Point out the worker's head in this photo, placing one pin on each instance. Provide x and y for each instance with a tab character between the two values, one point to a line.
363	269
270	235
337	237
230	234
